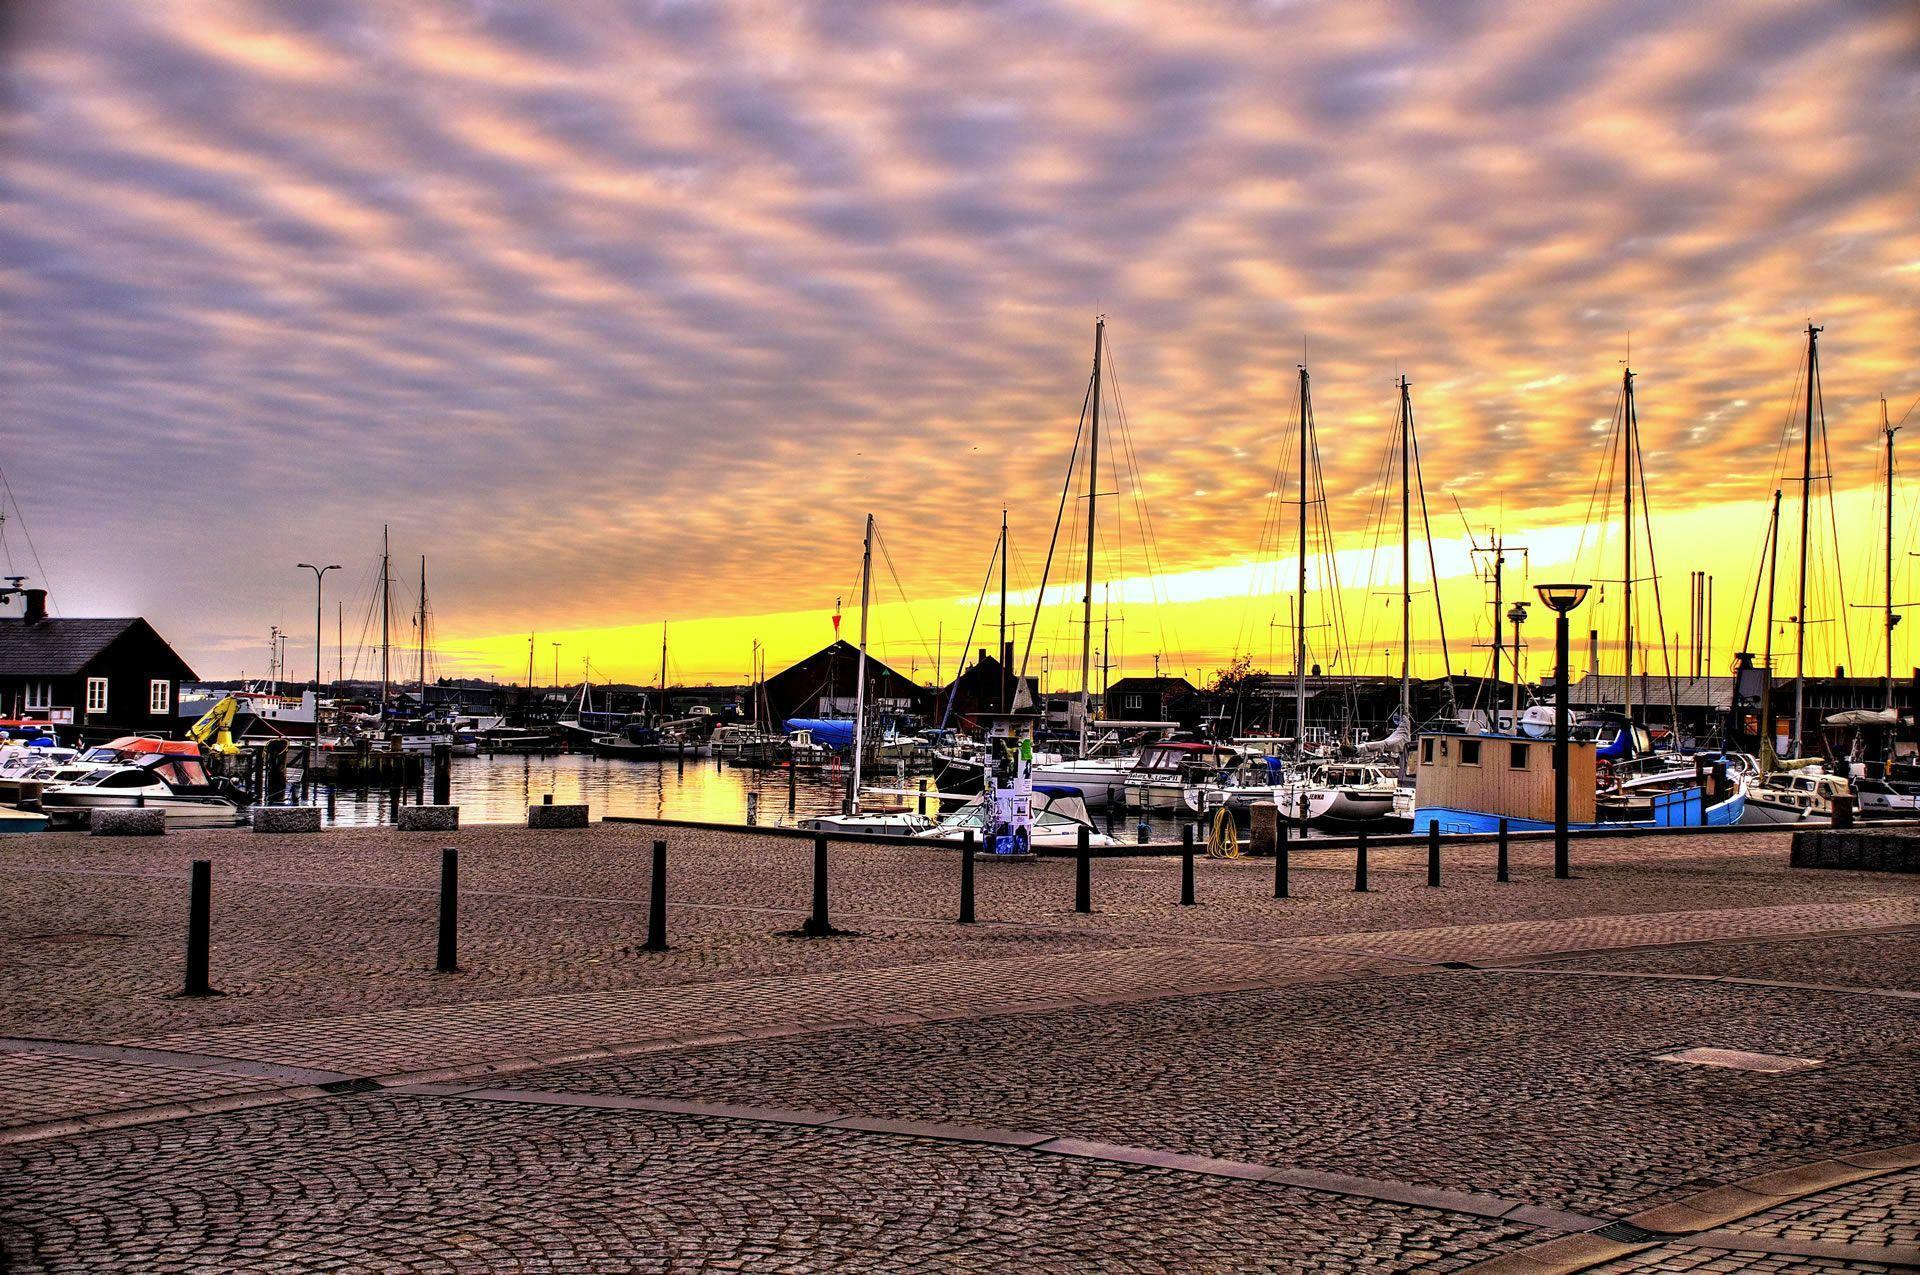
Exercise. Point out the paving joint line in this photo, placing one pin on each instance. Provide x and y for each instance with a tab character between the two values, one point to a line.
1723	979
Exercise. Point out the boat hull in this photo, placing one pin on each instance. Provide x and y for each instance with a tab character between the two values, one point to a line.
1683	811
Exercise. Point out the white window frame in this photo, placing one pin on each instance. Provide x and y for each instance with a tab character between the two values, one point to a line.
159	696
39	694
96	703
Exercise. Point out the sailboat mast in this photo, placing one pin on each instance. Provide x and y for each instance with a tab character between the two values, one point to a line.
663	669
386	618
1888	430
1093	504
1626	575
420	637
1806	516
1406	557
860	675
1300	604
1002	657
1766	687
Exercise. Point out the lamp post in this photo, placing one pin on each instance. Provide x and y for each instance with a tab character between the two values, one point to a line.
319	579
1561	599
1515	614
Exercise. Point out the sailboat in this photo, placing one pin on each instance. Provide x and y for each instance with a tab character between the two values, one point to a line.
851	820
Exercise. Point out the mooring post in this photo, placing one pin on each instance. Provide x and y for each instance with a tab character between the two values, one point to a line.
199	928
1112	800
393	804
657	901
442	775
448	959
817	924
790	785
1143	832
1280	865
1186	866
1500	856
1360	863
1083	873
966	878
921	807
1433	853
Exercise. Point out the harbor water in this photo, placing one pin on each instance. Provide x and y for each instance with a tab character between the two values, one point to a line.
499	788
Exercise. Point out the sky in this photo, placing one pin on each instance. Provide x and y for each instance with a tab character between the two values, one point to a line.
629	313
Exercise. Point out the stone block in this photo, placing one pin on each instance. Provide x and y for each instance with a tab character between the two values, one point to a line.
285	818
556	816
1857	849
127	821
429	818
1265	827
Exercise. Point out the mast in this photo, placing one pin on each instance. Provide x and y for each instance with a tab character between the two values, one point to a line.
1300	605
1001	656
1888	430
1406	558
1093	504
860	676
1766	686
420	636
386	618
1806	512
1629	445
663	670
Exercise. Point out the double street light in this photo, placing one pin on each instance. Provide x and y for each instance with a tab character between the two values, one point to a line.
1561	599
319	577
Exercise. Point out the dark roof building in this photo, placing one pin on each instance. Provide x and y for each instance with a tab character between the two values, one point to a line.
1147	698
823	685
106	677
980	689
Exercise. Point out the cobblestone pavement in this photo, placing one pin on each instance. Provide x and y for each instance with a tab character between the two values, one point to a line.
399	1183
1371	1101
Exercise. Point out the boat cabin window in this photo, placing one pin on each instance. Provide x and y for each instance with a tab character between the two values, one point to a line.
183	772
1518	758
1469	752
1426	752
116	779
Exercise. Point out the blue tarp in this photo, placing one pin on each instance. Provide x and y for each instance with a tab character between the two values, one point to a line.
831	732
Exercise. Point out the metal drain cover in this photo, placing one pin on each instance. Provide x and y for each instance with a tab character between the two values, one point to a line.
1740	1060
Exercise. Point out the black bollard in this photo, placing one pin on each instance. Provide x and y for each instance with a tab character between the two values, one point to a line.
442	775
448	959
199	928
1433	854
1144	832
817	925
1112	800
1500	856
790	785
1280	857
330	801
966	878
1186	866
681	766
1083	874
1360	864
657	901
393	804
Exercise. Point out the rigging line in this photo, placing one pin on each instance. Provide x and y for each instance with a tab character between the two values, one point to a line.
1047	571
1602	481
1753	604
1833	521
1143	514
26	532
960	665
1659	615
886	555
1433	566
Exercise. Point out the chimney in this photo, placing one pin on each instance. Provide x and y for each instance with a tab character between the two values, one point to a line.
36	605
1593	654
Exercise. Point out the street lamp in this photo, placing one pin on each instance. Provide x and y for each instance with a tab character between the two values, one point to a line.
319	578
1561	599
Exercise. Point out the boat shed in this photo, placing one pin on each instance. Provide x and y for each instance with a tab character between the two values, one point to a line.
823	685
104	677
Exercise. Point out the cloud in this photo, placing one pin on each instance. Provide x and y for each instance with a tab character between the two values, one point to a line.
629	310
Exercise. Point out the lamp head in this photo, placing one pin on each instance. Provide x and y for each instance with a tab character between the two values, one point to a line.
1562	598
1516	613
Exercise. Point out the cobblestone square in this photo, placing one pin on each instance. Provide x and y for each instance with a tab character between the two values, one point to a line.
1403	1079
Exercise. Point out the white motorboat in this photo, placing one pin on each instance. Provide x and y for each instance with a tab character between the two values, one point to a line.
1792	797
1157	779
1059	813
1340	793
174	782
873	823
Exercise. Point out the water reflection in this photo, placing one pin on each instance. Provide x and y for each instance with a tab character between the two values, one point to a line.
499	789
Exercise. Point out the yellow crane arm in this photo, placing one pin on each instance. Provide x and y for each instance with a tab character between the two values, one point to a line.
214	729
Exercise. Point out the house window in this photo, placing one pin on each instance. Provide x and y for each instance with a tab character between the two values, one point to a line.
1518	760
159	695
1134	702
40	694
1426	752
96	695
1469	752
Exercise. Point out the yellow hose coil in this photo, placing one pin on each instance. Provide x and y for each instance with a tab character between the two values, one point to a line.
1223	839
